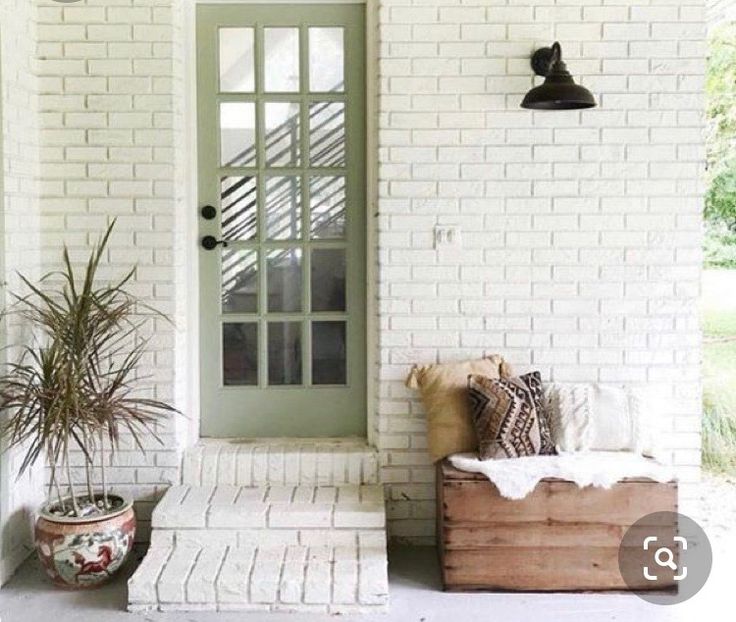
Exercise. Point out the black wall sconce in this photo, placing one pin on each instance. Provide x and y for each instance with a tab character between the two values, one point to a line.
559	91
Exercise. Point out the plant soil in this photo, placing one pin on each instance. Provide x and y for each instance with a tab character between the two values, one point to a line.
88	508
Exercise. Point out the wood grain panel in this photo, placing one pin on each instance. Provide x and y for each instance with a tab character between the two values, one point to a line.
542	535
540	569
622	504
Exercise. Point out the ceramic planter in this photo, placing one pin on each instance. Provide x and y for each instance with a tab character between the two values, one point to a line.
85	552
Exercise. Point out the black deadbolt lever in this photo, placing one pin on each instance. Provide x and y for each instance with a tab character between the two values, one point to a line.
210	242
208	212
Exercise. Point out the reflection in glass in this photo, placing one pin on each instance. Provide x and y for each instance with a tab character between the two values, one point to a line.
281	66
239	281
284	280
240	353
327	207
238	208
326	59
284	353
282	134
236	60
283	208
327	134
328	279
237	134
329	353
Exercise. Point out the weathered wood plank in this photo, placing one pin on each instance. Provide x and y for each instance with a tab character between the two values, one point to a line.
449	472
622	504
541	569
542	534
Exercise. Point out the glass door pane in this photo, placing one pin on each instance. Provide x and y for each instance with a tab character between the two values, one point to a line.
237	67
328	279
327	203
239	281
284	353
329	353
284	208
281	73
282	138
238	204
327	134
326	59
237	134
240	353
284	278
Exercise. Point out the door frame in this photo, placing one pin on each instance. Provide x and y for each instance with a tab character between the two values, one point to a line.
190	255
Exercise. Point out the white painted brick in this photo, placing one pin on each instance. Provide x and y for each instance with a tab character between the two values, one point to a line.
317	585
300	515
232	582
201	538
266	573
268	537
292	578
345	574
373	581
172	581
142	585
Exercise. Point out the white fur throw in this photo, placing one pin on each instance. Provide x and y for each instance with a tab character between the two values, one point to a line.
515	478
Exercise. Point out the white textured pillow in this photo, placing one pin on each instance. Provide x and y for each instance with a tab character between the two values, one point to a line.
648	412
613	420
569	408
596	416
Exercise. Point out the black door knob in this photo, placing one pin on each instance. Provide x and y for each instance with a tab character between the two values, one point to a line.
208	212
210	242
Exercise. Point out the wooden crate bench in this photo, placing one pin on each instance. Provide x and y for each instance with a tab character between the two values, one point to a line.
558	538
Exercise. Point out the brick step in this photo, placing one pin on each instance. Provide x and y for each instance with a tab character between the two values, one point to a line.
256	462
216	509
320	579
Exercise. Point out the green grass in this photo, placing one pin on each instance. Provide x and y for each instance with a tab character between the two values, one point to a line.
719	391
720	324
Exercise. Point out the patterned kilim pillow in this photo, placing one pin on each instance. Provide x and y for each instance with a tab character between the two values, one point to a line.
508	416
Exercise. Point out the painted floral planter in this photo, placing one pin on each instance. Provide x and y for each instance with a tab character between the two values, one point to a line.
85	552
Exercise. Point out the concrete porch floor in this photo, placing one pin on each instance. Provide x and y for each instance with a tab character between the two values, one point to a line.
415	597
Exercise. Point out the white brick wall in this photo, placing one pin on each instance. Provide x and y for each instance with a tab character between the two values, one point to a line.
581	230
111	84
20	245
720	11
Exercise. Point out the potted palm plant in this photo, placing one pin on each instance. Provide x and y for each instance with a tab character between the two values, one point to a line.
70	395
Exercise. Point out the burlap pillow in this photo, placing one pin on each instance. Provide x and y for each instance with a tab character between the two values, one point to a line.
444	390
507	415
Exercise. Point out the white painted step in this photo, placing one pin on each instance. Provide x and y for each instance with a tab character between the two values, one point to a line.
269	525
256	462
321	579
242	515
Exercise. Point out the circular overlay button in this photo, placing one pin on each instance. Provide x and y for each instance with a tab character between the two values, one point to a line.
665	558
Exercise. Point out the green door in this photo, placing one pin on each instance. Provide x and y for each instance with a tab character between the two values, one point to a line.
281	137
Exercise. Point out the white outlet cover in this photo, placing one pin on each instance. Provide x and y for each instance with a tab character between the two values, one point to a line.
447	236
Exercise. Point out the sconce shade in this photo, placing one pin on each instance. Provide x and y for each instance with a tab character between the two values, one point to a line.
559	91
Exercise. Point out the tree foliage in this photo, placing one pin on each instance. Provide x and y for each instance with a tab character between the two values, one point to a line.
720	201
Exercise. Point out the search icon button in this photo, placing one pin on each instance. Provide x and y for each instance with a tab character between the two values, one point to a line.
665	558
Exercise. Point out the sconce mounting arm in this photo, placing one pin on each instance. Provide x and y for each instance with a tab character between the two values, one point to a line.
544	58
